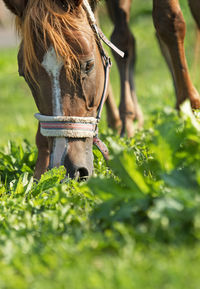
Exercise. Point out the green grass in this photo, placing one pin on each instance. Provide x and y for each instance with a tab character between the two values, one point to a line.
135	224
17	105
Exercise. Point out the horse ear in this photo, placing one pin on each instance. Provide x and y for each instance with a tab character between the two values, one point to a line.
16	6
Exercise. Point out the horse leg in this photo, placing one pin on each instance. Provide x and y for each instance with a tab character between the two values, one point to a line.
113	116
165	52
138	112
42	162
123	38
195	9
171	28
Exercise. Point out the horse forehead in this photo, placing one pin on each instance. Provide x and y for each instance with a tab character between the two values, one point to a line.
51	62
83	44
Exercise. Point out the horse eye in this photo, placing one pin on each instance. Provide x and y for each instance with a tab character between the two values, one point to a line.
89	66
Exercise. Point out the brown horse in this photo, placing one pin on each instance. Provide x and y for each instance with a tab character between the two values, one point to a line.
170	29
62	63
66	69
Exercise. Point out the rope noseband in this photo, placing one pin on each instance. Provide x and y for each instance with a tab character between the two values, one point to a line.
72	127
82	127
67	126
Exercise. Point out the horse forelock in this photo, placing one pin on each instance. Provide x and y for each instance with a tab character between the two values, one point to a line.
46	23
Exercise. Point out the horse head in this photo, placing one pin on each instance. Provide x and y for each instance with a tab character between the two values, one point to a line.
60	60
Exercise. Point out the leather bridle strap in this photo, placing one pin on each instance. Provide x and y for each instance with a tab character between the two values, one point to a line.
109	43
107	66
97	30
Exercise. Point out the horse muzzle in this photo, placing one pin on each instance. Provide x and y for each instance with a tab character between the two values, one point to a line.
75	154
72	141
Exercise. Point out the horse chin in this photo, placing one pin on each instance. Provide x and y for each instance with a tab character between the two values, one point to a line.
75	154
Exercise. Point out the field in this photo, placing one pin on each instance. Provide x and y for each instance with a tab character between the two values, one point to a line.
136	223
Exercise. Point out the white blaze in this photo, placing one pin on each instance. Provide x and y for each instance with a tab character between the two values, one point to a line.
60	146
53	65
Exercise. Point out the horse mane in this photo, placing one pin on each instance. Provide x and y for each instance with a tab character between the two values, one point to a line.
47	23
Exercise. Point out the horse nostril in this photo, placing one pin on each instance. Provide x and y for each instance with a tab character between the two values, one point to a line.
81	174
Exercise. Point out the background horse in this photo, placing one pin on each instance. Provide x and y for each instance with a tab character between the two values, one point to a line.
170	29
60	59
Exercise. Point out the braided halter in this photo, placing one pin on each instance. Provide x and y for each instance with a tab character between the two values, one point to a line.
82	127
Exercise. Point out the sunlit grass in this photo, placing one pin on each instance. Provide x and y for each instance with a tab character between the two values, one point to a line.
135	225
